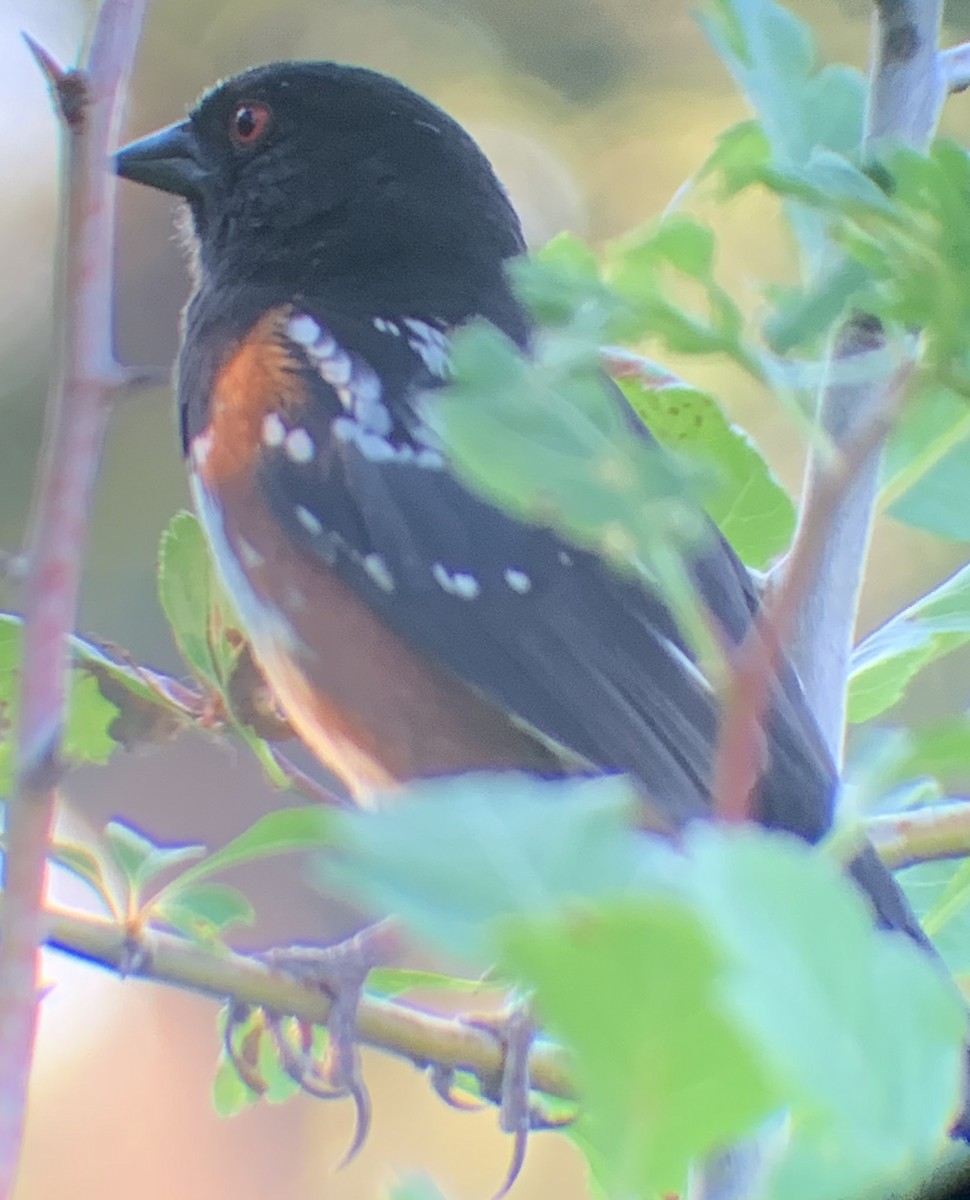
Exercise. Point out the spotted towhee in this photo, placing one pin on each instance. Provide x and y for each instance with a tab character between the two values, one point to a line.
343	226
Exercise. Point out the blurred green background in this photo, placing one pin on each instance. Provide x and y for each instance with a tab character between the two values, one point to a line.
593	112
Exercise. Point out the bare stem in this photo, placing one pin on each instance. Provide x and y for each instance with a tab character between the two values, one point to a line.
906	92
924	835
737	760
89	106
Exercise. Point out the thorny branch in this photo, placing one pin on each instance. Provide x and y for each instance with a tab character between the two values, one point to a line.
88	102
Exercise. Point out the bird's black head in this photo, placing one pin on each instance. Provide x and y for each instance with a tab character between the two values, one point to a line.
321	177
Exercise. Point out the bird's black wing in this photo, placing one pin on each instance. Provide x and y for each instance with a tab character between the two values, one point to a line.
589	659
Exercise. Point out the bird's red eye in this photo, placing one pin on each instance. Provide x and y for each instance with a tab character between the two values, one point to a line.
248	123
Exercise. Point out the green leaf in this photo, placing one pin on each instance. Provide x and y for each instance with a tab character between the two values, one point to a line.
204	911
230	1095
739	159
805	316
456	854
140	859
687	245
770	54
940	895
90	717
280	832
130	849
665	1074
745	500
84	864
927	465
209	633
895	769
888	659
651	268
827	997
185	591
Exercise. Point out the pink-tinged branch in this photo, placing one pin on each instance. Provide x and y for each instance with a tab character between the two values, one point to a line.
939	831
906	93
737	761
89	104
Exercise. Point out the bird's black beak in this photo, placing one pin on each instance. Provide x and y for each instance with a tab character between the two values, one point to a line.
169	160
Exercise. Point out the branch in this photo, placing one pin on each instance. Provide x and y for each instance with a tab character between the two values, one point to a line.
737	763
955	67
906	93
389	1025
939	831
392	1026
89	106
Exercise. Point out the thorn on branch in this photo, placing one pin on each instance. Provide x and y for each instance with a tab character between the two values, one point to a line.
70	89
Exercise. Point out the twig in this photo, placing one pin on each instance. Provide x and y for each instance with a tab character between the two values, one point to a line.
906	94
906	90
392	1026
939	831
737	760
88	102
955	67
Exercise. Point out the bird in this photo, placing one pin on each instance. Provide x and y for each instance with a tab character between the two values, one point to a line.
341	229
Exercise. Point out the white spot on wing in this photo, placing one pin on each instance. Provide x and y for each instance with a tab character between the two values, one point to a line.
379	571
336	369
310	522
300	447
357	385
376	448
274	431
565	559
517	580
431	346
457	583
303	329
431	460
250	555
